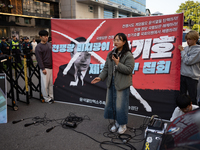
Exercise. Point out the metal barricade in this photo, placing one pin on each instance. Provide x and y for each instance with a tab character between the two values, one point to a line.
25	81
27	72
6	60
34	71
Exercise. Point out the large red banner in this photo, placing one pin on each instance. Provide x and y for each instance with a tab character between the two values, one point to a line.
154	43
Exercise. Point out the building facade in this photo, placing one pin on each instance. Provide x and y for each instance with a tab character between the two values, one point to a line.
89	9
26	17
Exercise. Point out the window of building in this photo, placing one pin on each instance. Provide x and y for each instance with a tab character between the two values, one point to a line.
4	18
135	4
17	19
90	8
27	20
108	14
122	16
3	32
37	3
36	8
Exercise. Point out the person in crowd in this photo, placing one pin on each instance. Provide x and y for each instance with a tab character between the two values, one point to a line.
27	49
184	105
190	66
118	71
8	40
15	48
44	59
4	47
21	41
34	44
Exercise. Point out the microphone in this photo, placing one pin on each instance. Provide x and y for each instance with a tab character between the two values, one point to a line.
17	121
48	130
114	53
28	124
114	48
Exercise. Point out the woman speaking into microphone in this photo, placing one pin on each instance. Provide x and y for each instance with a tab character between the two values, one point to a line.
118	70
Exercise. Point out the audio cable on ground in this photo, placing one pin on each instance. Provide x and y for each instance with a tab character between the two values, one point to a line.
72	121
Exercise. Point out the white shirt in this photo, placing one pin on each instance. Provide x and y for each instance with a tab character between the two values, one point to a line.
34	44
74	83
178	112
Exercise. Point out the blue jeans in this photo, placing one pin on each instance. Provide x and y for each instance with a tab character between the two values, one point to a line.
117	103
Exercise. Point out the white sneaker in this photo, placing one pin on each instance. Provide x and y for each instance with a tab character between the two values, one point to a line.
122	129
114	127
49	101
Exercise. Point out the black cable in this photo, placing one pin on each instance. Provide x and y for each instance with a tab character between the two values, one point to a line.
40	120
125	137
125	146
77	120
120	141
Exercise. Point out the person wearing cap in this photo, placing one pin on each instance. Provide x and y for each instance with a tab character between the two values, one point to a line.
27	49
4	47
15	48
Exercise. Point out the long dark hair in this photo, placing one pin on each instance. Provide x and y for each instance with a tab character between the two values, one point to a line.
125	49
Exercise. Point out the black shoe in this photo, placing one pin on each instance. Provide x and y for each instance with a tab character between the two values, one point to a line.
51	101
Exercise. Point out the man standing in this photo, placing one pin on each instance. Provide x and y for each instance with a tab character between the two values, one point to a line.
27	49
15	48
44	59
4	46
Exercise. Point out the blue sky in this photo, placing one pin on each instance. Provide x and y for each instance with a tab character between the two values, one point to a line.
164	6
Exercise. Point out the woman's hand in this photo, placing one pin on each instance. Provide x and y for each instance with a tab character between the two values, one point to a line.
115	60
180	47
95	80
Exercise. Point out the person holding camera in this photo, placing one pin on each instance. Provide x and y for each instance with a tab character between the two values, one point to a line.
118	70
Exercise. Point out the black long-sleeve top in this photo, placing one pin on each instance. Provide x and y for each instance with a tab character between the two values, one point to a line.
44	55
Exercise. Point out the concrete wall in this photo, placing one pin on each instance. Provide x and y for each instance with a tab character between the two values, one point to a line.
83	11
98	12
67	8
71	9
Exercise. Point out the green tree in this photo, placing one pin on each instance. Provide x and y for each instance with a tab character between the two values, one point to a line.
191	11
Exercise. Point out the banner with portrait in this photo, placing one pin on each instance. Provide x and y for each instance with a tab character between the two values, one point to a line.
84	45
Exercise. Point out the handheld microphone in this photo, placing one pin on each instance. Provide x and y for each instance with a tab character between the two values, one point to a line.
28	124
17	121
48	130
114	48
114	53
